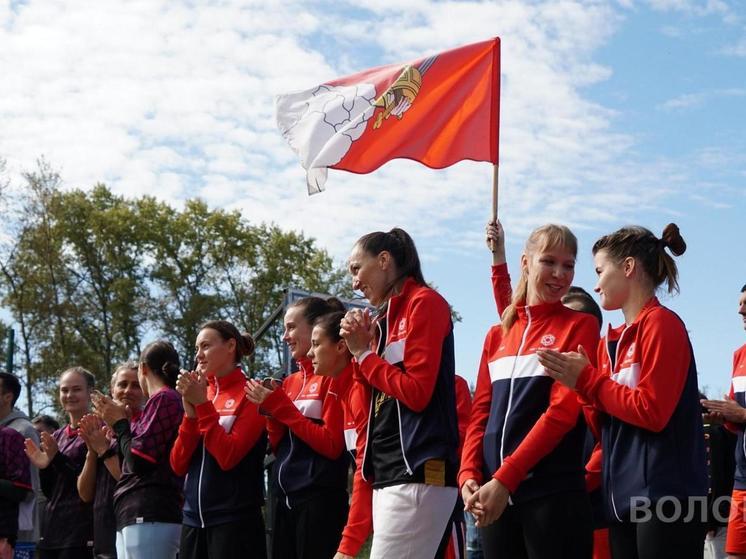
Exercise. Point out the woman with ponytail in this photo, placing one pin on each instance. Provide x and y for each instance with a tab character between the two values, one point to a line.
522	474
645	390
220	449
148	496
407	445
306	433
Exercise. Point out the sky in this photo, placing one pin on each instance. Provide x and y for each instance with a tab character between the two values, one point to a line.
612	113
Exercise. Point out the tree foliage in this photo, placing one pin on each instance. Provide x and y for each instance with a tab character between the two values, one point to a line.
89	277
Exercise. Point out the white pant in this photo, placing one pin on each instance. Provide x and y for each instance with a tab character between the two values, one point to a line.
150	540
715	545
409	520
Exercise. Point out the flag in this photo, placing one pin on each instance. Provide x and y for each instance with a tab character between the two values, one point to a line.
437	110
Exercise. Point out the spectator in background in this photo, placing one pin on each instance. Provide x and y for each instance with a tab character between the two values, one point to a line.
10	416
731	409
15	486
720	445
67	528
45	424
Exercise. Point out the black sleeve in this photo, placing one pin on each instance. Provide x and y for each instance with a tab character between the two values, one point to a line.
66	467
11	492
124	440
47	478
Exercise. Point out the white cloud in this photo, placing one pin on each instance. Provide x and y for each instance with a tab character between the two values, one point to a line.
689	100
176	99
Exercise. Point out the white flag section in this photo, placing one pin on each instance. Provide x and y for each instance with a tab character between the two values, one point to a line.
320	125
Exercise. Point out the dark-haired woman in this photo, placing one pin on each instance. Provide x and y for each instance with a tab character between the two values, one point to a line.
654	472
67	528
148	496
220	449
330	357
306	433
408	445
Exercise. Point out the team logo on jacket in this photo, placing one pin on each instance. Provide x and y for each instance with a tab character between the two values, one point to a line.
313	387
230	403
631	350
402	326
548	340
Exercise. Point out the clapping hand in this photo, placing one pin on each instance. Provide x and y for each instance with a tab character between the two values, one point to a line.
41	456
95	433
108	409
357	329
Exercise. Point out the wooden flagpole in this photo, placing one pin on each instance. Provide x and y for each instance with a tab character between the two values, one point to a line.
495	190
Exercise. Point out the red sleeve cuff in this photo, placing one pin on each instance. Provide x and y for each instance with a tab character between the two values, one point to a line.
350	546
467	474
584	384
189	426
509	475
275	401
206	415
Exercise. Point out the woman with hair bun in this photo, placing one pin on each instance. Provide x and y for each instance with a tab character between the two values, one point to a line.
148	496
306	433
407	444
645	388
220	448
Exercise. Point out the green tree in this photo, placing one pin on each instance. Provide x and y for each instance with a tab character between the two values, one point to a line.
105	241
88	276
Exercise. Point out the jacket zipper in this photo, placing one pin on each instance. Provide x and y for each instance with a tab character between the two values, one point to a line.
292	446
398	407
510	394
613	370
370	410
202	465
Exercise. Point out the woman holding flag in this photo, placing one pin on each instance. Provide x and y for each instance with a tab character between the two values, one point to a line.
407	446
521	471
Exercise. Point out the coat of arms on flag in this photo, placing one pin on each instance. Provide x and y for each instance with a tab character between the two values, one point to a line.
436	110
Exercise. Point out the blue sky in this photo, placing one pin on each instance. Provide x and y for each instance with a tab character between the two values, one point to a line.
613	112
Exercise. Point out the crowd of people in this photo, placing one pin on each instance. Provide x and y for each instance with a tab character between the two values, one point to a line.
574	445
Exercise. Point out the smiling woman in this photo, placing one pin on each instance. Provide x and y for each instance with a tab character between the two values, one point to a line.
220	448
645	387
407	444
526	430
60	459
306	432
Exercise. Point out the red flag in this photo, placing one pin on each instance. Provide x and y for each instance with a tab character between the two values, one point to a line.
437	110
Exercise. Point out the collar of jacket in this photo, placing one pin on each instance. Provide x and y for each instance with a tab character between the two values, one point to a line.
343	382
538	311
407	289
71	431
231	379
305	366
614	333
